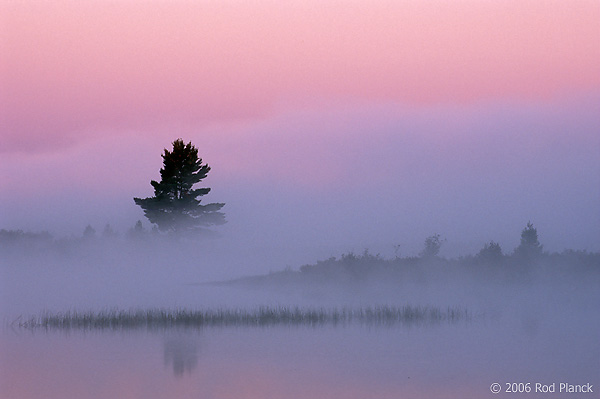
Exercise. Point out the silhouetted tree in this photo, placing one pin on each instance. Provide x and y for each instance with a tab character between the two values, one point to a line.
175	207
108	232
432	246
529	246
89	232
491	252
137	231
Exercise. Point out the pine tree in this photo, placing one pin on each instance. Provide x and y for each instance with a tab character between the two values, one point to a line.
175	207
89	232
529	246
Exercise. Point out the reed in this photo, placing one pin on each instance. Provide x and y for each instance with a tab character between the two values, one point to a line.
261	316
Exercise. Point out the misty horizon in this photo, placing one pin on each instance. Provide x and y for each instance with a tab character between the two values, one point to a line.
407	187
410	191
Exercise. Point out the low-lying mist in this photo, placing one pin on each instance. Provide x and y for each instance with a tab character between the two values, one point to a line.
166	306
40	273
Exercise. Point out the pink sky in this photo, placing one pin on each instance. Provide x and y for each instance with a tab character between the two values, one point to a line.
69	67
379	114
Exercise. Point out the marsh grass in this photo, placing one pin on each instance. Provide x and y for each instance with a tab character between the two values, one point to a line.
262	316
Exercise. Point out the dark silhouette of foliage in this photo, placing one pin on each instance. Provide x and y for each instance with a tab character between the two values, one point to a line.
108	232
22	242
529	247
432	246
138	227
175	207
14	236
491	252
89	232
358	266
137	230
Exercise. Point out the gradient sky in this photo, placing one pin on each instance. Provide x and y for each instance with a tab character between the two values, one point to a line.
336	125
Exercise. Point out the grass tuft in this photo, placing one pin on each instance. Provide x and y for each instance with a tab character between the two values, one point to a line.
262	316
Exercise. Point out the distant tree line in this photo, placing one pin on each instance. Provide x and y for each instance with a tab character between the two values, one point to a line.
529	248
527	253
40	240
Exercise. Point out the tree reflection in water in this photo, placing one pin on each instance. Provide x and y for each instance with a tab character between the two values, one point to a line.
182	353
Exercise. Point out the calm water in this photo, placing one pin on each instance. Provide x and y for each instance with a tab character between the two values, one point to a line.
458	360
522	334
444	361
